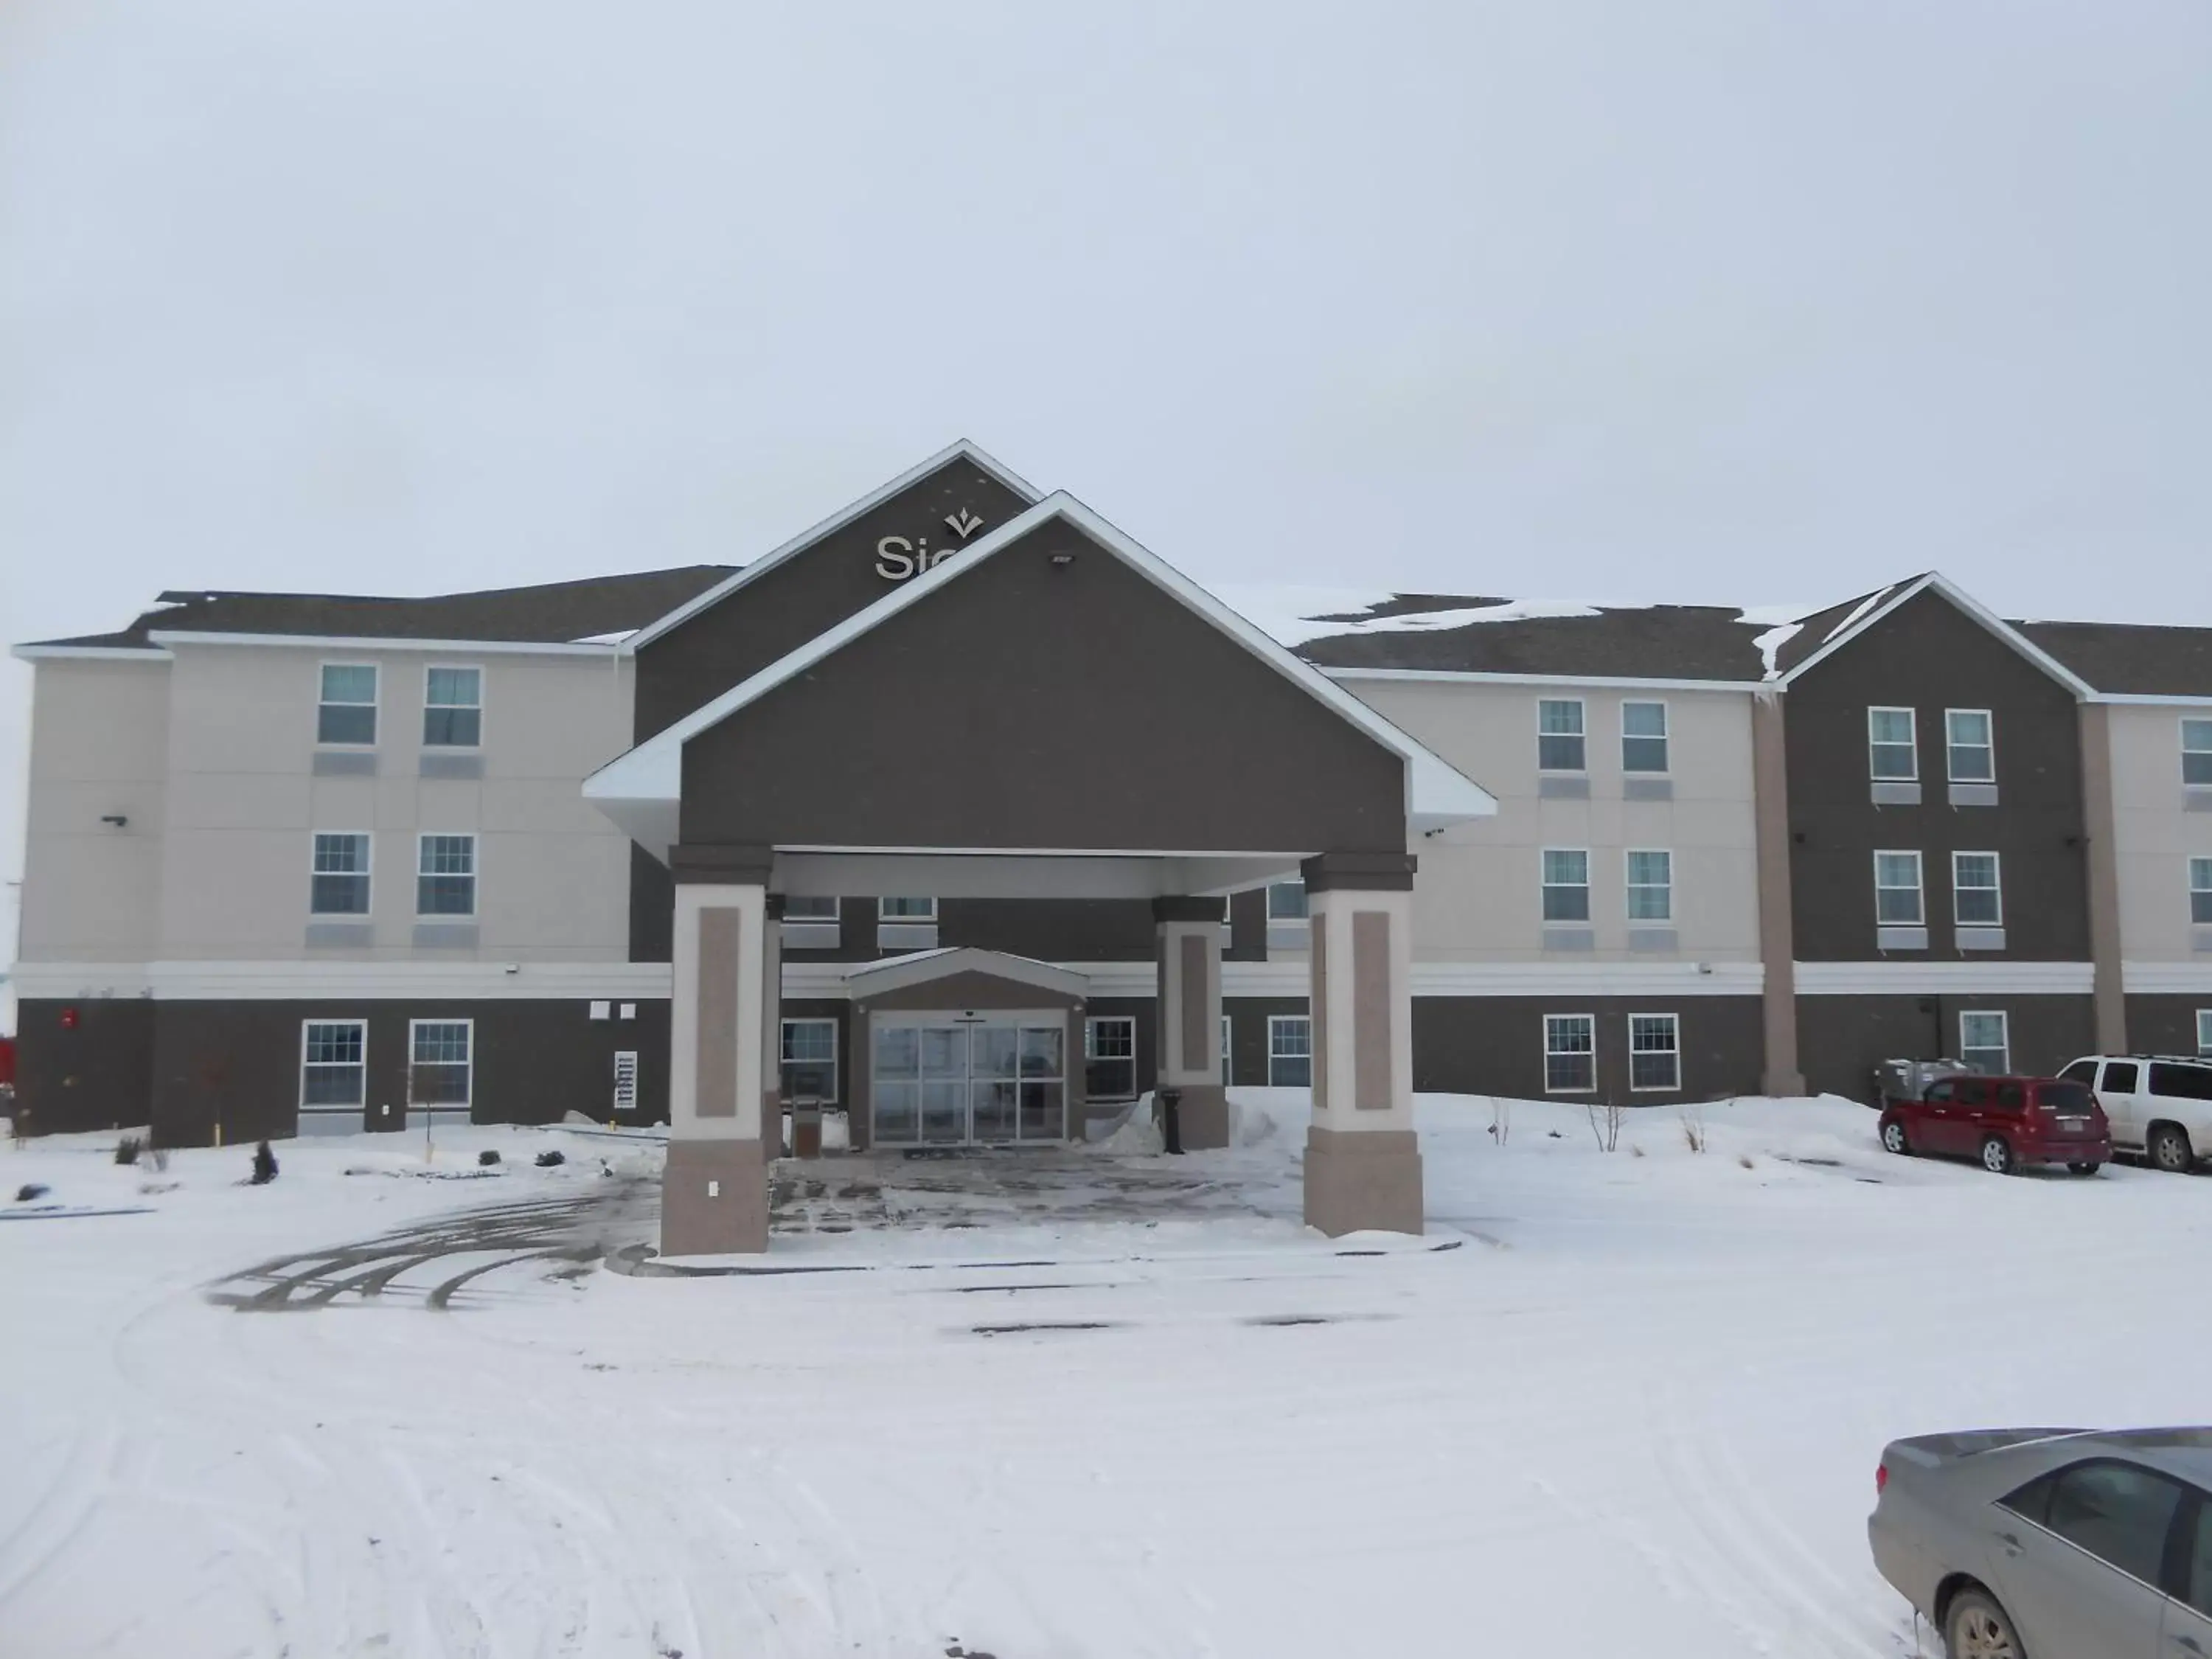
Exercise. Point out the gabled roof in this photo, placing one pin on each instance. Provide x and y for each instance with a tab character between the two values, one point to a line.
1872	608
963	450
920	967
651	775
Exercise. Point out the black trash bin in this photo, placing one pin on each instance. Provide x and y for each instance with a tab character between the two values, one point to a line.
1171	1120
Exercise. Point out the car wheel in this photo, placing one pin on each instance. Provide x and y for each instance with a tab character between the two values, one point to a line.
1996	1155
2084	1169
2170	1150
1893	1138
1976	1627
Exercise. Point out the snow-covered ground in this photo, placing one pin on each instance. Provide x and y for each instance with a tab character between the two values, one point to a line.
1635	1410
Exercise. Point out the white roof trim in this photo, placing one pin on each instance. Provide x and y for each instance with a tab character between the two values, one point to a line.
920	967
90	654
914	475
1436	794
167	637
1484	677
1867	616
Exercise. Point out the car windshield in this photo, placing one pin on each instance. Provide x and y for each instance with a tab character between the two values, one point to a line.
2066	1098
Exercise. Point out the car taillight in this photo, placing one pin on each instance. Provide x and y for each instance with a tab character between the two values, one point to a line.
1881	1477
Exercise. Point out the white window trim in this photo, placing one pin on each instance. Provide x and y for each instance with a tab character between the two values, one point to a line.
474	748
1581	736
2181	742
1996	865
1091	1024
836	1065
1674	1088
1591	1052
375	702
468	1100
837	909
1911	719
1950	776
1227	1032
1919	886
917	921
2204	1031
360	1025
1275	1020
1666	736
476	876
2004	1024
368	837
1629	885
1544	885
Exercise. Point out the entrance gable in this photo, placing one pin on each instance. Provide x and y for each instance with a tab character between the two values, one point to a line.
1048	695
817	580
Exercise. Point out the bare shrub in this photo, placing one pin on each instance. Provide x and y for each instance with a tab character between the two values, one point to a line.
1693	1128
128	1148
1501	1119
1605	1123
1745	1159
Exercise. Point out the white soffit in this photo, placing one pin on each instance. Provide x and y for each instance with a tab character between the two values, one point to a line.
1437	794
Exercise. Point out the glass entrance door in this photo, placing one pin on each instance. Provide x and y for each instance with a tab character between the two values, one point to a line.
987	1080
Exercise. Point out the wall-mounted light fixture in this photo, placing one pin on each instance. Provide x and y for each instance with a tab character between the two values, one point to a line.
116	819
1061	560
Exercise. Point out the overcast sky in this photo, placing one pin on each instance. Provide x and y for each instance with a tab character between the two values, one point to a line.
1741	300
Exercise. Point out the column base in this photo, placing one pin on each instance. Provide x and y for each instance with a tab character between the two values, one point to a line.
1782	1084
1203	1116
1362	1180
714	1199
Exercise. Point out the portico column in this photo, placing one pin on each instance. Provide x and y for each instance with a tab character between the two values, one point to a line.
771	1047
1363	1167
1189	932
715	1196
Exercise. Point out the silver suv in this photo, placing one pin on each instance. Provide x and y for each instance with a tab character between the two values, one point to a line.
2160	1105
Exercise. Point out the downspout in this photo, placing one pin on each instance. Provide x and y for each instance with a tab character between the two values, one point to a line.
1777	945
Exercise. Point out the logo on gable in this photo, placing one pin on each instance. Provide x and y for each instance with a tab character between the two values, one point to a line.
897	558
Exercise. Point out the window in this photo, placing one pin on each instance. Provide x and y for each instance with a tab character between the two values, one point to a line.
453	708
2200	891
1566	884
906	909
2196	1567
1655	1051
1984	1041
332	1069
2181	1082
1224	1051
445	876
1109	1057
2204	1031
810	1059
1892	753
1286	901
347	711
2121	1077
1897	890
797	908
1559	735
2196	752
1971	757
1976	899
1289	1051
1650	885
339	886
439	1053
2117	1512
1644	737
1569	1053
2082	1070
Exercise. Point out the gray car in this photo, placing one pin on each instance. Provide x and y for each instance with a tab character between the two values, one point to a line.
2052	1543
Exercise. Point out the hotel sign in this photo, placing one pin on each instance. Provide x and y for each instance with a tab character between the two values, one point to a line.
899	558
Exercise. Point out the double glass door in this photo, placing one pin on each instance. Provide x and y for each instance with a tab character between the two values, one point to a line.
991	1080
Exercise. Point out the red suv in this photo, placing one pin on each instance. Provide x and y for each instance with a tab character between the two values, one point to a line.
2005	1121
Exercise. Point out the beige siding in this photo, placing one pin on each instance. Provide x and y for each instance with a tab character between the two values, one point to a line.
99	735
1481	899
553	876
2154	836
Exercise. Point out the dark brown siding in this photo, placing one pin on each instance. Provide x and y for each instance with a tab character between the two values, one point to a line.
1930	656
810	592
1495	1046
237	1064
1841	1039
2164	1024
95	1077
1027	704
